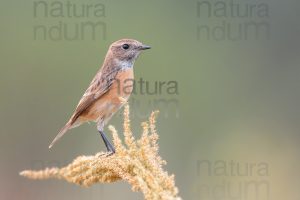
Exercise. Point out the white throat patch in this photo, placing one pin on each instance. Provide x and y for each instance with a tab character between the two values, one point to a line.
125	64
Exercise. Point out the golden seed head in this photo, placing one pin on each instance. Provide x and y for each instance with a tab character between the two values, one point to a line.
137	162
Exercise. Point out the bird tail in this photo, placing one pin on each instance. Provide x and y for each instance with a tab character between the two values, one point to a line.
61	133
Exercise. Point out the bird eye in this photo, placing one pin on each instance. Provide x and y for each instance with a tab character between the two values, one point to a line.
125	46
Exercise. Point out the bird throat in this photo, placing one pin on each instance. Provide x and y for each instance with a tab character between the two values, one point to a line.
125	64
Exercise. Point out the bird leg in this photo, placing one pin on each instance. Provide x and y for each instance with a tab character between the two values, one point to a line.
110	148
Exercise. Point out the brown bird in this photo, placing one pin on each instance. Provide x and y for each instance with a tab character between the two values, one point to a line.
109	90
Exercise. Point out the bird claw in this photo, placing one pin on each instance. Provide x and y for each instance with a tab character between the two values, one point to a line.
109	153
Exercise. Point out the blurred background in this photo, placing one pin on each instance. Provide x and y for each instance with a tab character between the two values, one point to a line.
229	122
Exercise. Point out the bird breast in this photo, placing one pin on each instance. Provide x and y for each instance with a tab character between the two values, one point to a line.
123	84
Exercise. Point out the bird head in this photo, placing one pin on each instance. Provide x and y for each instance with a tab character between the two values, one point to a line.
127	49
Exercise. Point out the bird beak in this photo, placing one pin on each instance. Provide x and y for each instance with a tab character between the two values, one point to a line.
144	47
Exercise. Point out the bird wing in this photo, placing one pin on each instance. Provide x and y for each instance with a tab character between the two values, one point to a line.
98	87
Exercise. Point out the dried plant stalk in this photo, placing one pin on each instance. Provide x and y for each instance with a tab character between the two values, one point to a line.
136	162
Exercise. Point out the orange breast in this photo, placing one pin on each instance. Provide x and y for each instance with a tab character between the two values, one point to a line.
123	85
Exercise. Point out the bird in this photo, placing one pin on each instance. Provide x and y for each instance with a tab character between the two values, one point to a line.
108	91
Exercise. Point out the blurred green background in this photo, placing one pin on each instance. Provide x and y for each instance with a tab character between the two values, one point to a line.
237	101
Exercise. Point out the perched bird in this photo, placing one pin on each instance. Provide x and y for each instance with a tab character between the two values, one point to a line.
109	90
